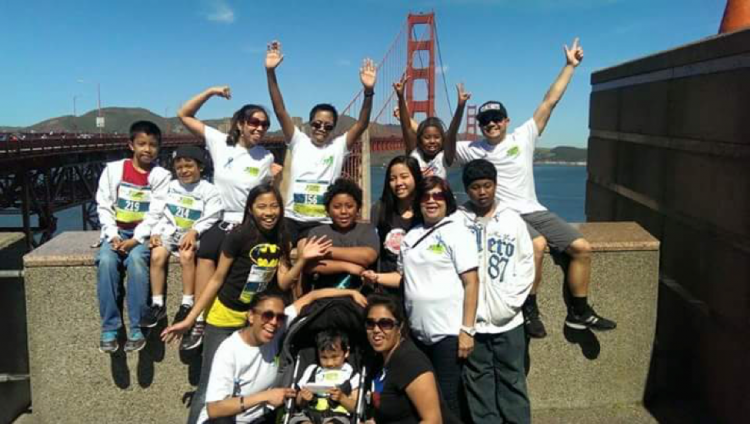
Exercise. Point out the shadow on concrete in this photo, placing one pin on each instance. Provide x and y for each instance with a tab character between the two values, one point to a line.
194	360
585	339
118	362
153	352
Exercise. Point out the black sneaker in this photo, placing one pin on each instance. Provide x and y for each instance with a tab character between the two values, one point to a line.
589	320
182	313
153	315
108	342
194	338
136	341
531	321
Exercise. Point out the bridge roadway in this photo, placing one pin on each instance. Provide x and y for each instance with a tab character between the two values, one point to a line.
41	176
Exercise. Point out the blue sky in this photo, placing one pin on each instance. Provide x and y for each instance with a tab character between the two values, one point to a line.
157	54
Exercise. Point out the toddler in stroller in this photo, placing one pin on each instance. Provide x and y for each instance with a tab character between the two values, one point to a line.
322	359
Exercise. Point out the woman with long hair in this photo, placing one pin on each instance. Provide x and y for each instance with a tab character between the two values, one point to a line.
239	163
393	214
252	254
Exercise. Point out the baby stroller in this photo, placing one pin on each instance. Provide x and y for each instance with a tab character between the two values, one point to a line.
299	349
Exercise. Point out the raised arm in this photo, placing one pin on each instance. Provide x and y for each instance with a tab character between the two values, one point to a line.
368	76
573	58
408	131
273	60
190	108
449	146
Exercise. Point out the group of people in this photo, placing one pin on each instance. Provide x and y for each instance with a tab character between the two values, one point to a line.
452	289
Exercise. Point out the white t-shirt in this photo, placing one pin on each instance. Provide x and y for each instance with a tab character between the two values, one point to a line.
239	369
313	169
329	376
237	170
433	290
194	206
514	160
436	166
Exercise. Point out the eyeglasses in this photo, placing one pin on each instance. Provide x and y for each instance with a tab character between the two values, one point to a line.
437	196
385	324
255	122
268	316
318	125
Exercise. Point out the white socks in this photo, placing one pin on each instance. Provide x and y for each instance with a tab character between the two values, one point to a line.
157	300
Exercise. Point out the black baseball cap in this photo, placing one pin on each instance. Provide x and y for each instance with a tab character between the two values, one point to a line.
491	110
190	152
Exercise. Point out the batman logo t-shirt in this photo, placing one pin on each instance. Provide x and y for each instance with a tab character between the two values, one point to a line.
253	269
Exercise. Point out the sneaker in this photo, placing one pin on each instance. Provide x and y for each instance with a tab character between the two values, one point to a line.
589	320
153	315
182	313
108	342
195	337
136	341
532	323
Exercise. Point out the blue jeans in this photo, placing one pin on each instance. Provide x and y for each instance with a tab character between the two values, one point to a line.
110	265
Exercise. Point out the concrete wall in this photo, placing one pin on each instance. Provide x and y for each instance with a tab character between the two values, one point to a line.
15	396
73	382
669	148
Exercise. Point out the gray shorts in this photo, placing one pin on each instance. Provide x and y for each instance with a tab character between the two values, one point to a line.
559	234
172	244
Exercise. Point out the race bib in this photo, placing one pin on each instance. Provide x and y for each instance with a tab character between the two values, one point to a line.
185	209
257	281
265	259
132	203
308	198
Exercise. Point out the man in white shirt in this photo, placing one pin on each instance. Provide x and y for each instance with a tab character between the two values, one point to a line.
513	157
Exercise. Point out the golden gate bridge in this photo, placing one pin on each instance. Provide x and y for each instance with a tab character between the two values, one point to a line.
42	175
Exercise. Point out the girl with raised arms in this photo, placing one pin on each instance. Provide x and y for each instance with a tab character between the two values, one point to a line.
240	163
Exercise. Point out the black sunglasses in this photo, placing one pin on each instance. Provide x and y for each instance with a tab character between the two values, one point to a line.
268	316
385	324
487	120
318	125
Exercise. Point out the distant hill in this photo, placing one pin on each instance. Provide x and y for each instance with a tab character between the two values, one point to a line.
119	119
560	154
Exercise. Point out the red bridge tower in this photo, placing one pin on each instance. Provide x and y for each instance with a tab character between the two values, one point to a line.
414	45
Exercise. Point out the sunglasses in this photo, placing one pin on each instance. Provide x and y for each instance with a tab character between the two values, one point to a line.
385	324
268	316
318	125
437	196
486	121
255	122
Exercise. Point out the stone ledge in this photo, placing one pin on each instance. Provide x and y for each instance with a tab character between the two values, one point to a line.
74	248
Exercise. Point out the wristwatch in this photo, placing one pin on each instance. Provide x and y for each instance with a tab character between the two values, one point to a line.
469	330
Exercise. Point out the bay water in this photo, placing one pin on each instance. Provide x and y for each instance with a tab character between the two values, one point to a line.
562	189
